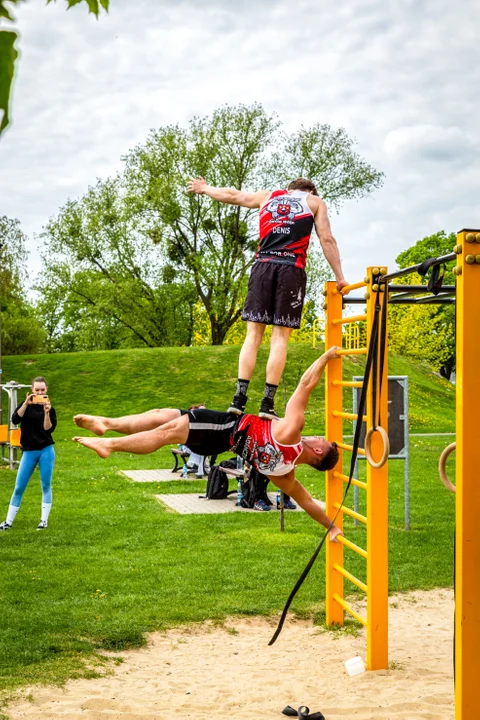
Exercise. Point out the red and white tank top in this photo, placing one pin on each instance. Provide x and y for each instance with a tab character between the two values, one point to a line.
253	439
286	224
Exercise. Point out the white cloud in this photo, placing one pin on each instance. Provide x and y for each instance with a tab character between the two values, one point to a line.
430	143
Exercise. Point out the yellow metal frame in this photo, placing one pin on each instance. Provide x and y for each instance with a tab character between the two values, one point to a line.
467	554
467	566
15	437
376	488
3	434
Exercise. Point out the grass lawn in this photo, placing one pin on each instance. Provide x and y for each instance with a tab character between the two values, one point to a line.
115	564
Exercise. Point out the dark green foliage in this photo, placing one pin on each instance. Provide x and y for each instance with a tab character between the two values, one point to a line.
21	330
426	332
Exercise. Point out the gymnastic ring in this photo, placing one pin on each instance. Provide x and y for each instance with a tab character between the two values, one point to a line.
386	447
442	469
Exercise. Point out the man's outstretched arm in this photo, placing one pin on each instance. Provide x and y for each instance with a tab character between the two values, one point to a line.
294	419
291	486
328	243
231	196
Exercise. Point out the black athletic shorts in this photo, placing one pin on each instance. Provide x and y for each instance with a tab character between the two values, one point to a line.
210	431
275	294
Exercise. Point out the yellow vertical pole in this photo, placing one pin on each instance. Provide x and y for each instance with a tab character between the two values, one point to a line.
467	588
333	431
377	515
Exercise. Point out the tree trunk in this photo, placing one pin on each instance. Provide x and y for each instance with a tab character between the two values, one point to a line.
219	331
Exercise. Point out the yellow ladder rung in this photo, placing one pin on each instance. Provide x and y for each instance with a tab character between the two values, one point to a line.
357	483
350	577
344	446
347	607
347	415
351	319
347	383
354	286
349	544
356	351
351	513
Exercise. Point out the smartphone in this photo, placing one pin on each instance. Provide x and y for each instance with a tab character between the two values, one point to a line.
40	399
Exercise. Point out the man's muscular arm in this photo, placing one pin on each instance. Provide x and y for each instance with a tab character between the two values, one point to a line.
288	429
328	243
230	196
290	485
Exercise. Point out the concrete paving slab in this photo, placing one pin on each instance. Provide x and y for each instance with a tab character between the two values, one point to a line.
157	476
192	504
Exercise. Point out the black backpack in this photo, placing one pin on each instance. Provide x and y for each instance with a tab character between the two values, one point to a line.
255	489
217	481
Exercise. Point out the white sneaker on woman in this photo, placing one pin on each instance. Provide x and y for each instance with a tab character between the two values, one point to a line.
42	525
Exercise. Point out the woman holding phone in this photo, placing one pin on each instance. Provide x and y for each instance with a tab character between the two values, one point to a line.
37	420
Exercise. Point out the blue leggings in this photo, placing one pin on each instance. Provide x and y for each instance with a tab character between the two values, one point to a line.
46	460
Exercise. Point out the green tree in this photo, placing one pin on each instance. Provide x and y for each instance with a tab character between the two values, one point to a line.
327	156
21	331
103	285
243	147
137	242
9	53
425	332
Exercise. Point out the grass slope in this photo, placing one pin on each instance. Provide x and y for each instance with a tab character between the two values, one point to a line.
115	564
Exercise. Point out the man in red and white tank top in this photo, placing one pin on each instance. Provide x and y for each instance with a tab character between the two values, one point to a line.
274	447
276	288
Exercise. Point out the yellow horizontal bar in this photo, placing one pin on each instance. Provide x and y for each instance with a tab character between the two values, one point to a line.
350	577
349	544
344	446
349	609
346	320
345	478
356	351
354	286
347	415
347	383
347	511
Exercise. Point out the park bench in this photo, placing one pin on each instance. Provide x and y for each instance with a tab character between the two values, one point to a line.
181	458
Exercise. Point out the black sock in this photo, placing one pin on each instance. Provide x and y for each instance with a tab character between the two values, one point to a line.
270	391
242	386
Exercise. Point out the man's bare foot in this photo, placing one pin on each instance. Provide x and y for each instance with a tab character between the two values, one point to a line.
101	447
94	423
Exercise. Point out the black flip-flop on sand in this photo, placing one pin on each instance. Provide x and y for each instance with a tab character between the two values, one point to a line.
303	713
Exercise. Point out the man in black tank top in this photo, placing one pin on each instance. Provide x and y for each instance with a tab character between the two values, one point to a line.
276	288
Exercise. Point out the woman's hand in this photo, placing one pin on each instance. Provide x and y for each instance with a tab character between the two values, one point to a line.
47	407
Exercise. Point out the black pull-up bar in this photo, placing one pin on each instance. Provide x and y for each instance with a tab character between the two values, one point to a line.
419	266
403	300
410	289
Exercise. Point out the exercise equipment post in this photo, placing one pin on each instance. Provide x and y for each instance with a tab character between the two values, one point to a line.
376	487
467	586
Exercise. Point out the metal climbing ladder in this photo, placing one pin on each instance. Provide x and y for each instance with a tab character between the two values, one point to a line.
376	487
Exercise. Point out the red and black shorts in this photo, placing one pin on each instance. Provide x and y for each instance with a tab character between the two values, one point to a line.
275	294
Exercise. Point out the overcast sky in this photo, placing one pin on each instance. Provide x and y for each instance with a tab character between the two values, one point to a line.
401	76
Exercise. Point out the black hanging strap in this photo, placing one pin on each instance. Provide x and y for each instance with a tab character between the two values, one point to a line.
371	359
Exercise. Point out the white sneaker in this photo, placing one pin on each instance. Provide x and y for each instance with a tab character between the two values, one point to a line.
42	525
5	526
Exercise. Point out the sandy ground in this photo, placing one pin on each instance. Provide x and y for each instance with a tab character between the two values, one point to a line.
208	671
